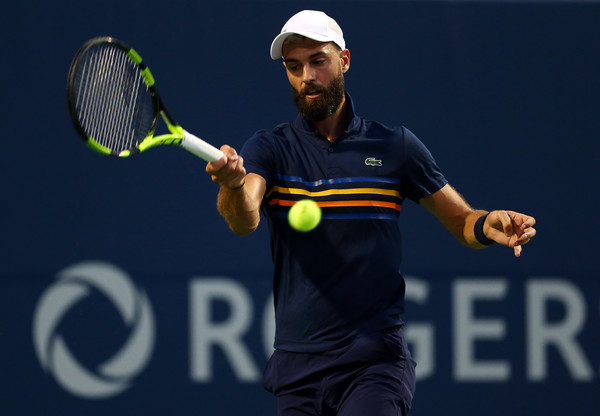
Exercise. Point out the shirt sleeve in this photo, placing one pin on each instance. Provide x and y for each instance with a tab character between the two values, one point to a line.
257	153
422	175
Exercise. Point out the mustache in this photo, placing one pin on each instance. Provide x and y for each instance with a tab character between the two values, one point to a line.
310	88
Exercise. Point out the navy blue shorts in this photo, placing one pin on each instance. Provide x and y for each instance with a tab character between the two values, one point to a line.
374	375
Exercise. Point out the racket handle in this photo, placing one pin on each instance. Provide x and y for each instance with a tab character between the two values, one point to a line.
200	148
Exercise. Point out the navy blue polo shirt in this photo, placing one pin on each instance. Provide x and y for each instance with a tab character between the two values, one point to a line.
342	278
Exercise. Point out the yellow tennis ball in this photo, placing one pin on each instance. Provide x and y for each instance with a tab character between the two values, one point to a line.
304	215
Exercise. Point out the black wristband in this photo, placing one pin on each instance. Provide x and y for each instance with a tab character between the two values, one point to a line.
478	231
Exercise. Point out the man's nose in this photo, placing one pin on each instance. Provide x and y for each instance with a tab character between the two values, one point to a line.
308	74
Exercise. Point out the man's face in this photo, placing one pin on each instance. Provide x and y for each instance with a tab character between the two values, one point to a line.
316	73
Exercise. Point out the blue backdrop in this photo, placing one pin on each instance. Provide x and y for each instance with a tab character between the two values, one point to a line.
122	290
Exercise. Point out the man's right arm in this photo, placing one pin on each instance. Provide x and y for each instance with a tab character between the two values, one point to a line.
240	194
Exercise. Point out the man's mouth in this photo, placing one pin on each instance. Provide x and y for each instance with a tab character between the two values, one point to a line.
313	94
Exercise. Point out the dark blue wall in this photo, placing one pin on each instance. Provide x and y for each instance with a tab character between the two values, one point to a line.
504	94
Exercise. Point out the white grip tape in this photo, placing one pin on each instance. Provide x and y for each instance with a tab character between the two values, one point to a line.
200	148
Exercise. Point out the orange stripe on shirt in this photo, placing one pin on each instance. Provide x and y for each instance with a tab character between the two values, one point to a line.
327	204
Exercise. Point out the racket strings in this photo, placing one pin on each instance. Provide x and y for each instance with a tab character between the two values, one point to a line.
113	103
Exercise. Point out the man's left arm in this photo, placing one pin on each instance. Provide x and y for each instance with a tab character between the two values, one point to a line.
478	228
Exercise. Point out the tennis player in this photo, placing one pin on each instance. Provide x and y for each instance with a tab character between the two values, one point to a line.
339	296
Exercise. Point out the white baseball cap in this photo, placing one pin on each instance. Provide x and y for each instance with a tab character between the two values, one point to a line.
312	24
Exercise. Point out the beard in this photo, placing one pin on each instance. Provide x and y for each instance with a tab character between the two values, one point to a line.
320	108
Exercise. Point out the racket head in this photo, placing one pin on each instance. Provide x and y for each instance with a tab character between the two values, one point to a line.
112	99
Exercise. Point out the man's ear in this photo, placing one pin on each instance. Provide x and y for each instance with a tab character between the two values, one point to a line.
345	59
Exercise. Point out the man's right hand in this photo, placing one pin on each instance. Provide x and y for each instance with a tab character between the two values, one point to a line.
228	171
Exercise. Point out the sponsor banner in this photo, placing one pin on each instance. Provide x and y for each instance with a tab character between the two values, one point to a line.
94	339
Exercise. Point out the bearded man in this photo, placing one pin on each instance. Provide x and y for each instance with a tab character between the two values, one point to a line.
339	295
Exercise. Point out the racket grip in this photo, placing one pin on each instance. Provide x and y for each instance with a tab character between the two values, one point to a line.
200	148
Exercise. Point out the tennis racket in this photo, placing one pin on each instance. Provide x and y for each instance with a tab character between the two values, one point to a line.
114	104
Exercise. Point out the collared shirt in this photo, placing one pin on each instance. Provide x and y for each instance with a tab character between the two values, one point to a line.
342	278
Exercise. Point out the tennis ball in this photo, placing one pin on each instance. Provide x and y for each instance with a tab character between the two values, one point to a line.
304	215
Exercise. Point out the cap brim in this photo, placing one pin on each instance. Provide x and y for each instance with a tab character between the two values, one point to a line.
277	44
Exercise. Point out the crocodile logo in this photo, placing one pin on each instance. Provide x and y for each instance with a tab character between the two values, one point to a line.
371	161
